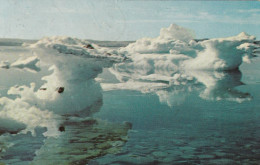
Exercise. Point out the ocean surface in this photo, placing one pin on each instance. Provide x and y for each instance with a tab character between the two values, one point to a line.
108	116
193	130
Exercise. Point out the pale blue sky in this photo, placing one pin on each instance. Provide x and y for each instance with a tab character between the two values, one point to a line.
125	20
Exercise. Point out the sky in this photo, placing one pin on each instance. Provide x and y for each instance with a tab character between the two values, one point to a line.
120	20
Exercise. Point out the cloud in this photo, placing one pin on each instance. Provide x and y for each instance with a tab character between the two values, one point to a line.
65	10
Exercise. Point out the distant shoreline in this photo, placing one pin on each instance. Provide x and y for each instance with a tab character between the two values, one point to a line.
19	42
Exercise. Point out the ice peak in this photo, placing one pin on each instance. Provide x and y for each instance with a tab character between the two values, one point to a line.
175	32
245	36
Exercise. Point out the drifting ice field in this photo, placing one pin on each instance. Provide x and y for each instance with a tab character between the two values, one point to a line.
165	100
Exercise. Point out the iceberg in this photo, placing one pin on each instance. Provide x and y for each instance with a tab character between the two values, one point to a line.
41	114
73	65
174	62
208	54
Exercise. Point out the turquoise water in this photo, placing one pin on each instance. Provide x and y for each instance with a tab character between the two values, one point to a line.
195	131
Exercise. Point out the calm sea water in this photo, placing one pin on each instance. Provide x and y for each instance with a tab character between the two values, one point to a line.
195	131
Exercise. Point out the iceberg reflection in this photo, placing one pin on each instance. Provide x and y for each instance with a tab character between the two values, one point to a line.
221	85
173	86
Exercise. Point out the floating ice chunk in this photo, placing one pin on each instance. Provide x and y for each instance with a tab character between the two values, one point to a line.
31	64
34	107
209	54
81	91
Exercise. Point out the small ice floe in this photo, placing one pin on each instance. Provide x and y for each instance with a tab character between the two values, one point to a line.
30	64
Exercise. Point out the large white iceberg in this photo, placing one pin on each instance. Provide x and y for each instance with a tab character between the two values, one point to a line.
42	106
209	54
174	62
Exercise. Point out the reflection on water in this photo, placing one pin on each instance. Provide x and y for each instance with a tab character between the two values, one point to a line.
221	85
173	86
211	117
218	130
